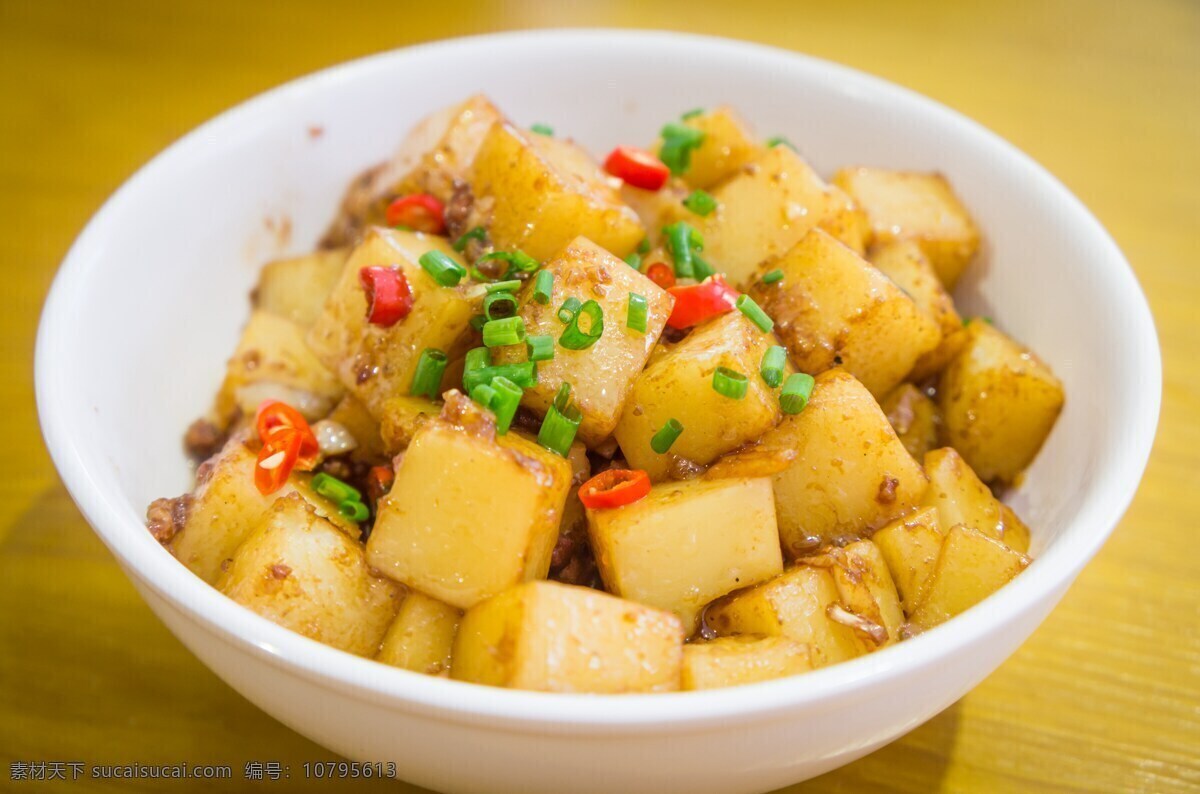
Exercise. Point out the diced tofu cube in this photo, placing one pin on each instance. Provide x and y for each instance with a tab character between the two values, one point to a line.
832	308
357	420
559	638
915	206
376	362
298	570
728	145
273	361
402	417
866	590
915	418
970	567
961	498
766	209
470	513
687	543
436	153
906	264
421	638
296	289
732	661
1000	402
910	546
838	468
601	375
795	605
537	193
226	506
678	384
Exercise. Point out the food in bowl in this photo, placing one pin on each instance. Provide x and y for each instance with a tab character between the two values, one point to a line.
692	419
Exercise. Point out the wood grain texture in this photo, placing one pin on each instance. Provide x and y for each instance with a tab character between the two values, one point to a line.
1104	697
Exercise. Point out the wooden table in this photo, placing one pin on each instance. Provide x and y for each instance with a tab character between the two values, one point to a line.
1104	697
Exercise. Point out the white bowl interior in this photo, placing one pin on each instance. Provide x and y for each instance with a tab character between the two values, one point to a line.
149	304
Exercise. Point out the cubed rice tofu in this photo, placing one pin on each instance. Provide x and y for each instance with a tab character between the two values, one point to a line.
421	638
732	661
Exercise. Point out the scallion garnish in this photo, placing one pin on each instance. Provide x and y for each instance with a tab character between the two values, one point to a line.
561	423
643	247
524	374
730	383
504	403
634	260
478	233
570	308
700	202
701	269
512	285
543	286
682	240
574	337
691	114
746	305
796	391
483	394
477	322
498	305
678	142
442	268
771	276
519	261
773	362
635	316
334	489
507	331
541	347
354	510
427	379
542	129
666	436
779	140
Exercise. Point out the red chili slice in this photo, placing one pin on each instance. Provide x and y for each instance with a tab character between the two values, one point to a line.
637	167
277	422
420	212
696	303
379	482
276	460
614	488
661	274
389	298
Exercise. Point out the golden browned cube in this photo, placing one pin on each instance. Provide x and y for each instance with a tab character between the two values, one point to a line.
687	543
559	638
910	546
470	513
833	308
421	638
961	498
999	401
537	193
728	145
300	571
376	362
915	206
732	661
296	288
402	417
971	567
915	418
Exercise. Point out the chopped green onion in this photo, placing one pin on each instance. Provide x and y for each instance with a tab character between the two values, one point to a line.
354	510
772	276
427	380
666	436
691	114
541	348
561	423
682	240
478	233
524	374
570	308
635	316
634	260
334	489
478	321
574	337
779	140
746	305
700	202
701	269
483	394
543	286
476	358
796	392
504	403
730	383
677	145
499	305
542	129
512	285
773	362
644	246
444	270
508	331
513	260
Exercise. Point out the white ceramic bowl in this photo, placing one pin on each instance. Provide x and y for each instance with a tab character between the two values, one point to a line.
148	304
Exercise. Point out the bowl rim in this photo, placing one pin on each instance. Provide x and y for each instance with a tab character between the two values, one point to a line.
1043	583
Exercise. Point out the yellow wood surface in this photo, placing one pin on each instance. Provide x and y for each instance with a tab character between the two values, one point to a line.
1104	697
